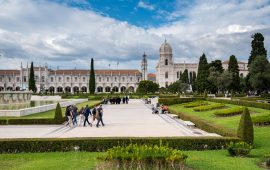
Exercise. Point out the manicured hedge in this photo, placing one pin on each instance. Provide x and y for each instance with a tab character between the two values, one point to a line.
261	120
229	112
208	107
195	104
46	121
171	101
205	125
102	144
3	122
242	103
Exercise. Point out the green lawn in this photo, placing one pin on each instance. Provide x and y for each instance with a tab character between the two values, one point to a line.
212	160
50	113
49	161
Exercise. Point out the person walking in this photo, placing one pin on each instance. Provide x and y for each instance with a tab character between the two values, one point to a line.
87	112
68	116
74	114
81	115
100	116
94	114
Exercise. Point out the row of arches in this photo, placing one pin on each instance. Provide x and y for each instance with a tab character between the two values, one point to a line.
67	89
114	89
9	88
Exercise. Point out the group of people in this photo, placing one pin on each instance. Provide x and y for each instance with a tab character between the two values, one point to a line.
116	100
163	109
84	115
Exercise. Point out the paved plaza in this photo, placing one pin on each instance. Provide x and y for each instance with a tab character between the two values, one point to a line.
125	120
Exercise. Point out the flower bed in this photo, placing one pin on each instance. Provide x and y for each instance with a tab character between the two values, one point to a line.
142	157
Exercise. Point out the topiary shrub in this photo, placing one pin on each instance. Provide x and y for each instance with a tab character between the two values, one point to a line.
245	128
58	114
205	95
239	148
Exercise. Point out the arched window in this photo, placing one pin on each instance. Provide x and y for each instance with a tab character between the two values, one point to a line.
166	75
166	62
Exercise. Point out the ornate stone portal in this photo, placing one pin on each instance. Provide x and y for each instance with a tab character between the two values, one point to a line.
13	97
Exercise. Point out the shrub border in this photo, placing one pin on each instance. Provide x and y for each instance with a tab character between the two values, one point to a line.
205	125
242	103
98	144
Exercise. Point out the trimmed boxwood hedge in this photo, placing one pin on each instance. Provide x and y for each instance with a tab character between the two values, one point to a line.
102	144
177	100
208	107
242	103
45	121
261	120
229	112
205	125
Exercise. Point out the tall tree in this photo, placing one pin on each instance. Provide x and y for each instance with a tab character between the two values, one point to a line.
31	81
178	87
233	69
257	45
217	64
203	72
184	77
92	81
193	81
212	78
260	74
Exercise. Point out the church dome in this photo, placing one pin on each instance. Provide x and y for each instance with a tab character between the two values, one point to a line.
165	48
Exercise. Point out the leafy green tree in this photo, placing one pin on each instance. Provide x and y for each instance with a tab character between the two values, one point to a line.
147	86
203	72
212	79
257	45
184	77
245	128
178	87
92	81
224	80
234	71
217	64
260	74
31	81
58	117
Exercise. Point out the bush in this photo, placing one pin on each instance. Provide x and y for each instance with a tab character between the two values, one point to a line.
45	121
58	118
267	162
208	107
103	144
145	157
195	104
245	128
239	148
3	121
242	103
229	112
261	120
171	101
204	125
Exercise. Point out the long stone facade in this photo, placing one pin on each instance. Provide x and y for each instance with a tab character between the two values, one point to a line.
168	72
71	81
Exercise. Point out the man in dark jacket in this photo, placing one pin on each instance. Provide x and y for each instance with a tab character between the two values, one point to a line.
87	112
100	115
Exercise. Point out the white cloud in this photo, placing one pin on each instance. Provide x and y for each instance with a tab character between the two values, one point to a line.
43	31
145	5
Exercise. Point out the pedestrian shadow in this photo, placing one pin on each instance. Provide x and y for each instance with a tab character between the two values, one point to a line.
59	130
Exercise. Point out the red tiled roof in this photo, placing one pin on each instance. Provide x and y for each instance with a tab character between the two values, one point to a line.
97	72
151	75
10	72
227	62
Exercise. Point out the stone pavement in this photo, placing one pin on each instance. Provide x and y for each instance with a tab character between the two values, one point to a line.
125	120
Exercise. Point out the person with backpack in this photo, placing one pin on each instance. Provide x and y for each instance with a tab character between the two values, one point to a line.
87	112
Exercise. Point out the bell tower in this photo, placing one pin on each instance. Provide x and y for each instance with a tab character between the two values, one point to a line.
144	66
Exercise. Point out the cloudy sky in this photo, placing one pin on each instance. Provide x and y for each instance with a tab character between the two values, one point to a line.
67	33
